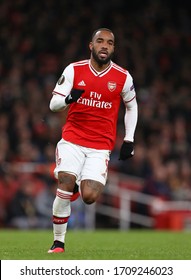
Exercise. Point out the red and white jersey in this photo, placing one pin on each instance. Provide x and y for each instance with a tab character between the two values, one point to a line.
92	120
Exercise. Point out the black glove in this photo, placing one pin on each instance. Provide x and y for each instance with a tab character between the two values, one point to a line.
126	151
74	95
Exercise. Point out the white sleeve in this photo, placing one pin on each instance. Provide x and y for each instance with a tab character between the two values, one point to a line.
131	113
62	89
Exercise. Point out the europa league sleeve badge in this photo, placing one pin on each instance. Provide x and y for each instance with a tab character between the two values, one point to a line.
61	80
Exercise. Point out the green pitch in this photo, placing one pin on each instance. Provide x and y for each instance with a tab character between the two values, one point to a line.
97	245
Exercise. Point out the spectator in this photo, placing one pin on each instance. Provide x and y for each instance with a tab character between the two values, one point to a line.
43	204
22	213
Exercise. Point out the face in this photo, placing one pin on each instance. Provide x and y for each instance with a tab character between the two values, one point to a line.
102	47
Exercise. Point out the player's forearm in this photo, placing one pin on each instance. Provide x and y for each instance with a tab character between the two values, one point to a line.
57	103
130	119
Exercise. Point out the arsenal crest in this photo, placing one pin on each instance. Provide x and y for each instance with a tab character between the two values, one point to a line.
111	86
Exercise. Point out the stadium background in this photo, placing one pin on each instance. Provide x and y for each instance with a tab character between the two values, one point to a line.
37	40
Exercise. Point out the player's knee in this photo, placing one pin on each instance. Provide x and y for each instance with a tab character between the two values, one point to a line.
66	181
90	191
88	200
89	197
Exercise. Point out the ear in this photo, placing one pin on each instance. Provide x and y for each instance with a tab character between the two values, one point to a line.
90	45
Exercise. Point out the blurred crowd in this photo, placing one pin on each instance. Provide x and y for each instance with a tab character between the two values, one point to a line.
37	40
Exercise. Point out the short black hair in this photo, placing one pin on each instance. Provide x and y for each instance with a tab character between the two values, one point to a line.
101	29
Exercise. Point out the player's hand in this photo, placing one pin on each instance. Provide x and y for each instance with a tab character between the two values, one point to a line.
74	95
126	151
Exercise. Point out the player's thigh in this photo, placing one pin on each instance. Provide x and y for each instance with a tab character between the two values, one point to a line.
94	175
69	158
96	166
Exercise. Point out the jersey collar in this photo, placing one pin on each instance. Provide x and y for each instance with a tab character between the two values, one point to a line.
102	73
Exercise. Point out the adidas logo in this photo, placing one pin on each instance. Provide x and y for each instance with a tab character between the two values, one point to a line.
81	83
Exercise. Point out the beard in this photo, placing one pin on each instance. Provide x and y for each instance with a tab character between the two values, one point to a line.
101	61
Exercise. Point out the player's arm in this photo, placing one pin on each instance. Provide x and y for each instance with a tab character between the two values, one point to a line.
130	118
64	93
